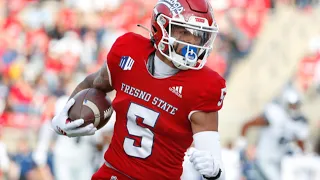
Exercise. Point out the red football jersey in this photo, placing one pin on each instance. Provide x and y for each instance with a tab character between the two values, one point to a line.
152	129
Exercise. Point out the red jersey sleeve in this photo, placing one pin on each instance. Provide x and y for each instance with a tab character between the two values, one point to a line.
114	58
210	98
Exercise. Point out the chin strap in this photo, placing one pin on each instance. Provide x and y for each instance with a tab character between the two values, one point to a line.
150	63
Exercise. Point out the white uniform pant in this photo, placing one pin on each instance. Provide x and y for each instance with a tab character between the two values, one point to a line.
270	169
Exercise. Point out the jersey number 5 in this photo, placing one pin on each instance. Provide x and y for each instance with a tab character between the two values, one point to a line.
149	118
223	94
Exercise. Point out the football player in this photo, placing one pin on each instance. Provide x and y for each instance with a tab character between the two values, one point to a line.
166	98
283	123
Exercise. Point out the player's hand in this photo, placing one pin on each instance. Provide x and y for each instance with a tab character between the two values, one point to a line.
62	125
204	162
189	172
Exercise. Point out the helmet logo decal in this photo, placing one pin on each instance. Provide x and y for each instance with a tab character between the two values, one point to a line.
200	20
174	6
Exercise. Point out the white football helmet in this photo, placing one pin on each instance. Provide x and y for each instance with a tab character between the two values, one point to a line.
291	101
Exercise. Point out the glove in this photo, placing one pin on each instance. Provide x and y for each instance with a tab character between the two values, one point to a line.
62	125
189	172
204	162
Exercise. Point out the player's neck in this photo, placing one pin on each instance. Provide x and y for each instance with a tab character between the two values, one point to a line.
164	59
162	69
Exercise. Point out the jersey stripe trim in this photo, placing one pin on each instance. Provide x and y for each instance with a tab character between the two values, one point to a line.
190	114
110	166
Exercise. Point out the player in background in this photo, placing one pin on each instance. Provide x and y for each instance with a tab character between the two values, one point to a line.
282	124
306	167
166	98
72	158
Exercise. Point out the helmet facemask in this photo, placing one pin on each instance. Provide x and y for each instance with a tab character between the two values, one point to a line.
186	44
293	109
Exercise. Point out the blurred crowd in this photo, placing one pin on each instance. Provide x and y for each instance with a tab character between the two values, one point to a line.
48	46
308	74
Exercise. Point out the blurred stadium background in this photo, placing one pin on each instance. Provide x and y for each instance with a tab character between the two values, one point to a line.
48	46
